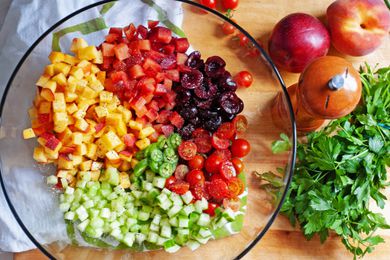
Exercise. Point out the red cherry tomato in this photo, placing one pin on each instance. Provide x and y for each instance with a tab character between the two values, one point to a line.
199	192
218	189
211	209
230	4
241	124
215	176
242	39
180	187
219	143
187	150
213	163
227	170
236	187
240	148
203	144
197	162
200	132
244	79
195	177
224	154
168	182
226	130
181	171
238	165
209	3
228	28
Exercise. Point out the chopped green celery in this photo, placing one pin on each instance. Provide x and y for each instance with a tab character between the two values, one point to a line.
105	213
165	205
70	215
201	205
64	207
101	204
106	186
94	232
144	229
92	192
202	240
149	175
77	194
112	196
85	197
166	191
193	245
117	203
171	249
117	234
204	220
132	212
147	209
129	239
229	214
83	225
159	182
139	238
154	227
221	222
143	215
68	197
174	210
135	228
111	175
85	176
131	222
51	180
74	206
162	197
187	210
88	204
156	219
137	194
164	222
147	185
166	231
119	190
115	224
161	241
156	211
93	212
81	184
174	222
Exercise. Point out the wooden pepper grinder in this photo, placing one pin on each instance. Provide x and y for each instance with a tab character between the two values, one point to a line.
328	88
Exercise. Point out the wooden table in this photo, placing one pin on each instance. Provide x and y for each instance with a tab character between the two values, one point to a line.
283	241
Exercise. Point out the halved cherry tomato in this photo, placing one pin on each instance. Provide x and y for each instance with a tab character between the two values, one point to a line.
219	143
187	150
226	130
180	187
168	182
240	148
203	144
197	162
215	176
241	124
200	132
213	163
195	177
199	191
211	209
227	170
218	189
181	171
225	154
236	187
238	164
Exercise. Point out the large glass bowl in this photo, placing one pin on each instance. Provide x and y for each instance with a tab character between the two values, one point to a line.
23	181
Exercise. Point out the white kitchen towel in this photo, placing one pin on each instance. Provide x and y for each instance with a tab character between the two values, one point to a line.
25	21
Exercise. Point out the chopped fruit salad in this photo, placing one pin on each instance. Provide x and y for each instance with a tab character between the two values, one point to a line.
146	141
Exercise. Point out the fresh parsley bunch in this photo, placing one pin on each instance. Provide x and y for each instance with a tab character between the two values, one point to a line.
341	168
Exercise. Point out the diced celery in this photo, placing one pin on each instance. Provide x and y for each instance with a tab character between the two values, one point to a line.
136	194
70	215
94	233
187	210
172	249
112	176
202	240
139	237
161	241
68	198
183	231
143	216
64	207
174	222
166	231
64	182
93	212
162	197
156	220
112	196
154	227
83	225
201	205
150	176
147	209
51	180
115	224
131	222
176	199
229	214
96	222
135	228
105	213
147	185
129	238
152	237
88	204
221	222
116	233
166	191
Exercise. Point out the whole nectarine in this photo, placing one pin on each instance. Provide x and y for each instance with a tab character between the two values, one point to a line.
357	27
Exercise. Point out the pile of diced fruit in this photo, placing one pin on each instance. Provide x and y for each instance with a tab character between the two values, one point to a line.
144	138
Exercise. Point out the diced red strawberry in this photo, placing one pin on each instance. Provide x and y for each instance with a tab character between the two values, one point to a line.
152	24
153	105
47	136
119	65
169	62
169	49
125	153
130	31
160	34
151	64
176	120
183	68
163	117
160	77
129	140
173	75
115	30
157	127
111	38
182	44
136	72
142	31
167	130
143	120
67	149
152	115
154	137
160	90
107	62
121	51
144	45
154	55
168	83
108	49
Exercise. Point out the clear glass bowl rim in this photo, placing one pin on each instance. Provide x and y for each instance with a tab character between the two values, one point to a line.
290	171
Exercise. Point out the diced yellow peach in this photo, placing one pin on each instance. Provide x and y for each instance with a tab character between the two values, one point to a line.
135	125
71	120
41	141
113	118
111	107
120	148
110	140
105	97
71	108
91	151
61	121
38	99
145	132
125	157
50	154
96	166
44	108
79	114
62	173
86	165
71	60
121	128
96	85
77	138
89	93
112	155
126	114
124	180
98	59
60	79
101	76
64	163
95	175
87	138
101	111
134	162
76	73
51	84
143	143
84	64
76	159
33	113
101	149
65	136
56	57
47	95
70	97
78	43
81	124
42	80
49	70
88	53
28	133
125	166
59	104
81	149
62	67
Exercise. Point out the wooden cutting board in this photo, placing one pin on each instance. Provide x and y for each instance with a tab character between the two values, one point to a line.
283	241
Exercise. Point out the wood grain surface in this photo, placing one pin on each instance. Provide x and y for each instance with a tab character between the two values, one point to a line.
282	241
